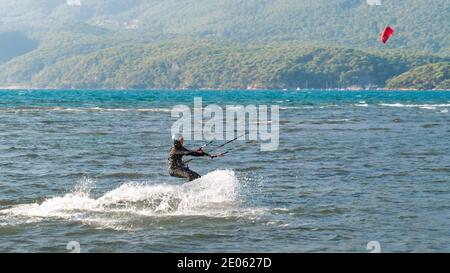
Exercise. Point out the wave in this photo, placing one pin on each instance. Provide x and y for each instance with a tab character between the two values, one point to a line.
90	109
421	106
362	104
331	121
213	195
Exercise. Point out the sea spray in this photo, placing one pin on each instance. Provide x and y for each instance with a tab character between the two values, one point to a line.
213	195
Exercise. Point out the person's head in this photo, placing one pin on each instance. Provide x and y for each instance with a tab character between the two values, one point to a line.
178	140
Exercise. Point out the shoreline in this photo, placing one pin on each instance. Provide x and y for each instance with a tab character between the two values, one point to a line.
23	88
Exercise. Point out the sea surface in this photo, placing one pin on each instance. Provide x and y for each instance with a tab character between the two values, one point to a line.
351	168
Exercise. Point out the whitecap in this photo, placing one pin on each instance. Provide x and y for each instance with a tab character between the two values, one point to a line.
213	195
89	109
421	106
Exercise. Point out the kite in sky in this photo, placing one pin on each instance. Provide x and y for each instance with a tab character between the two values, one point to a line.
387	33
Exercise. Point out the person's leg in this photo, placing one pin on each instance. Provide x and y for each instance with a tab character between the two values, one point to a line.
192	175
179	173
186	173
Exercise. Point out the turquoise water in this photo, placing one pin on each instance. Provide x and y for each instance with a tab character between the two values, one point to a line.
352	167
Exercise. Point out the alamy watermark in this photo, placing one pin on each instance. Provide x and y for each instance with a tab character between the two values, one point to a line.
374	247
258	123
74	247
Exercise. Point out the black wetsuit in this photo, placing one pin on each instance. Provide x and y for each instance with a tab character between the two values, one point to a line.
175	162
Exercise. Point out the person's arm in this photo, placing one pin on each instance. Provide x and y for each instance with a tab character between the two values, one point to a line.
184	151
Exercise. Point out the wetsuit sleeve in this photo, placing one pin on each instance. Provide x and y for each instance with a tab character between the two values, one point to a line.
184	151
195	153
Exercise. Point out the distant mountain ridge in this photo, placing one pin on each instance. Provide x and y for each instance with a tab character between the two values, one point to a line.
125	42
421	24
14	44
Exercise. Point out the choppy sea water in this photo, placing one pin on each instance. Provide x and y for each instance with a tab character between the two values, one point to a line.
352	167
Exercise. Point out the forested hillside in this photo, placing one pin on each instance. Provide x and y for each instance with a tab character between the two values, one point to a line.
431	76
204	64
420	24
220	43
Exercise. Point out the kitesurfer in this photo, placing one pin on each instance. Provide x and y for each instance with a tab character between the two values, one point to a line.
176	166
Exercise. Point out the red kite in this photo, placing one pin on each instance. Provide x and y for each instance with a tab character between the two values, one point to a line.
387	33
